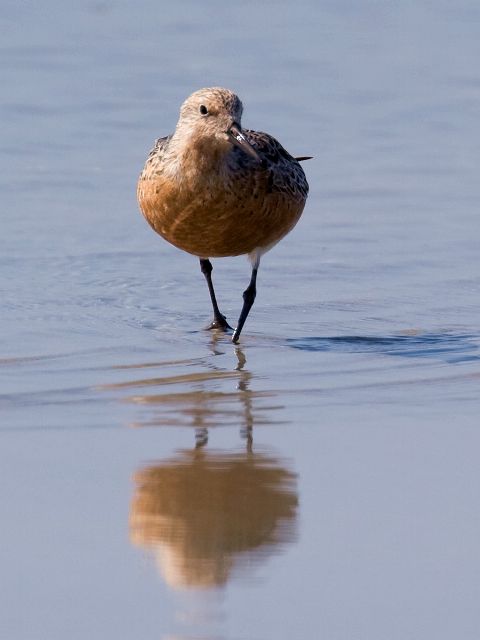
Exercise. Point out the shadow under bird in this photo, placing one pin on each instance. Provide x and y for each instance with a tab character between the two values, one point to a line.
214	189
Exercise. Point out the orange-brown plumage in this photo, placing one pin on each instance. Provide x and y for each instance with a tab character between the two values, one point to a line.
215	190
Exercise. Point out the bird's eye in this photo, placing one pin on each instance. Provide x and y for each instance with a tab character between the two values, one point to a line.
203	110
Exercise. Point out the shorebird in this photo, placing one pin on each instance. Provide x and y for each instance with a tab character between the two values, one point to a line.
214	189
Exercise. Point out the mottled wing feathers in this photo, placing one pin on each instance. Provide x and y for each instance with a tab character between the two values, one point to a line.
155	157
266	145
159	147
286	173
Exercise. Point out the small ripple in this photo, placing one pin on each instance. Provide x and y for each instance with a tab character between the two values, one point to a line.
449	347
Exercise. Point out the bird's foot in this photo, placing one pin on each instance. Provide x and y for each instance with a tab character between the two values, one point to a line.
220	322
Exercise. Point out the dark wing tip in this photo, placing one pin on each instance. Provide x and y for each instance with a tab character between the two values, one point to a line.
300	158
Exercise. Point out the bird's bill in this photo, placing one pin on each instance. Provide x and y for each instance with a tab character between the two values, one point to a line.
236	136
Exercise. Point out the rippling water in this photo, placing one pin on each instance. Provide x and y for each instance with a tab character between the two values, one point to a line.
320	479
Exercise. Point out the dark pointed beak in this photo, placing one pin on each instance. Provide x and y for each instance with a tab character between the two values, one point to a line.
236	136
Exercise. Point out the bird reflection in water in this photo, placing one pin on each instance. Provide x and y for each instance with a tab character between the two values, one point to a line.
205	513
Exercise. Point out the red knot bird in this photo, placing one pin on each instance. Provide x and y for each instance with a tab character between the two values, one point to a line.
214	189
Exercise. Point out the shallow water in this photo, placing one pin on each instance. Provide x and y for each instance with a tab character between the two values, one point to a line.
320	479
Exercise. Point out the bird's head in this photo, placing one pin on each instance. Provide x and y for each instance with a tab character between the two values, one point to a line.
214	115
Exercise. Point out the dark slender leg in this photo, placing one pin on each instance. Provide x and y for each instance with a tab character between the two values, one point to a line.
248	300
219	320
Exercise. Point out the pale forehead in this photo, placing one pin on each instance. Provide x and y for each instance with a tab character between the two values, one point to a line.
215	96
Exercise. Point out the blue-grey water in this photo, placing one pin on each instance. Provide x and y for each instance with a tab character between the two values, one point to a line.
321	479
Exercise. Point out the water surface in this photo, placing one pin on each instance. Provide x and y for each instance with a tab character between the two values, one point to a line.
320	479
